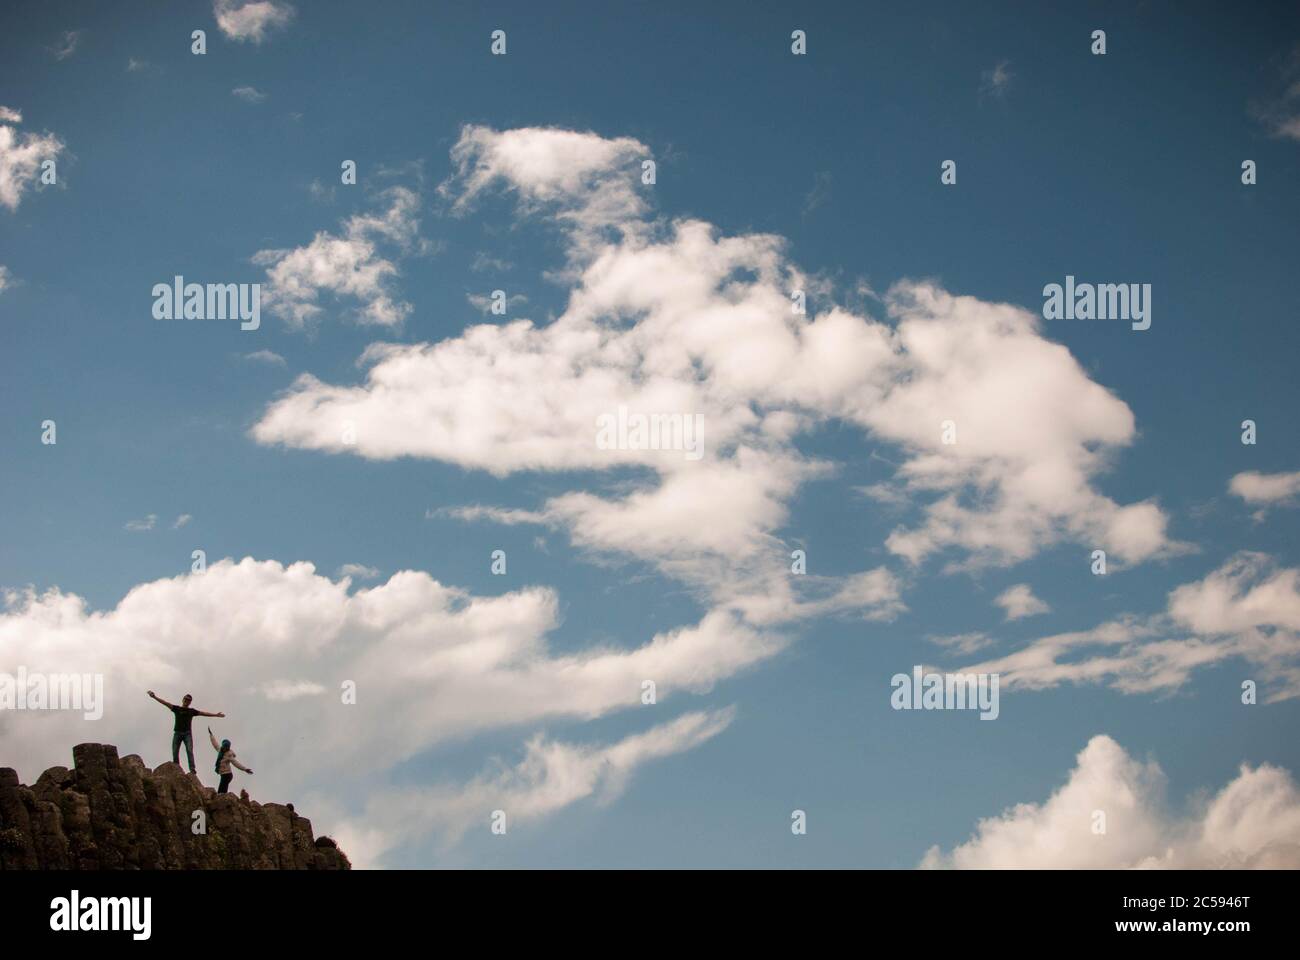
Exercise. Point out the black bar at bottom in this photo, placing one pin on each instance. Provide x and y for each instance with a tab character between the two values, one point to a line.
241	911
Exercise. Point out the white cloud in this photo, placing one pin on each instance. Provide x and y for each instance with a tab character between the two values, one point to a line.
268	357
181	521
251	19
4	277
483	303
1266	488
1019	601
1280	114
66	45
347	266
819	194
1286	127
321	193
249	94
284	690
430	664
963	643
549	166
995	82
21	155
483	262
588	182
675	318
1245	593
148	523
358	571
1253	822
552	775
1019	475
1246	609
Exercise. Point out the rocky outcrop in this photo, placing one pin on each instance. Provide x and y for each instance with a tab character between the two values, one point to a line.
108	813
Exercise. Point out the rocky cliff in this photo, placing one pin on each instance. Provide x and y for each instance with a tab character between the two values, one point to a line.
108	813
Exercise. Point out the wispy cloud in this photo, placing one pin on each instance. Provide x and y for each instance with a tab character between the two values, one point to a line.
249	94
66	45
1248	609
268	357
551	776
321	193
963	643
148	523
996	81
482	263
1280	113
819	194
483	303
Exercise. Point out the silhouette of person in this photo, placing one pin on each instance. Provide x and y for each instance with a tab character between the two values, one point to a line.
181	732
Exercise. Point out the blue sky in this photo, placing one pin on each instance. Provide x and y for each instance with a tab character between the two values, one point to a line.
1122	168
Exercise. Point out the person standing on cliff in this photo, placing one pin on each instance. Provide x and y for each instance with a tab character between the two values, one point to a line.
181	730
225	760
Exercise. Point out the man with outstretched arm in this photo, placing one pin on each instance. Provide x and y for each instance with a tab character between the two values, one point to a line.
181	732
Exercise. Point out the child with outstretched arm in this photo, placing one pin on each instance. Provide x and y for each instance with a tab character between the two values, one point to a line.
225	760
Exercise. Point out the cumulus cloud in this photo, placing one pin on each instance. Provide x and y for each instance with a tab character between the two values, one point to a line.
347	265
429	663
1253	822
1016	476
358	571
1267	489
1248	609
677	319
1245	593
552	775
21	155
586	181
1019	601
251	20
